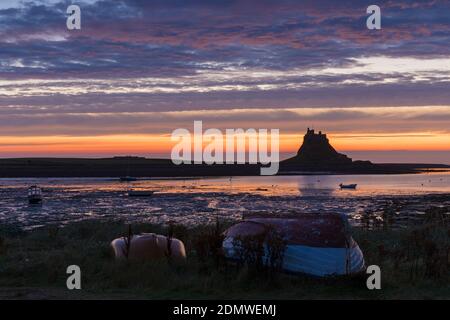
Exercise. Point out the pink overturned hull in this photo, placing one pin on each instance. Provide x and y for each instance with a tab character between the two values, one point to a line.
316	244
148	246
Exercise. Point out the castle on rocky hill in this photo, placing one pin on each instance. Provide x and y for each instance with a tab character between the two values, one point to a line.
316	150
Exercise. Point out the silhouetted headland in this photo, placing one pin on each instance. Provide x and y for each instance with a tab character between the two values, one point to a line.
316	151
315	156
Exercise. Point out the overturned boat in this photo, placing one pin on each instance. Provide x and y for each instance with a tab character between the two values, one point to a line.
316	244
148	246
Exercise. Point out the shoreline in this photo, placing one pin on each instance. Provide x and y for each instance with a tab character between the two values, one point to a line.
400	209
164	168
201	177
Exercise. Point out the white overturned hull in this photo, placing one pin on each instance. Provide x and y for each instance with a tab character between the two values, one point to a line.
316	244
321	262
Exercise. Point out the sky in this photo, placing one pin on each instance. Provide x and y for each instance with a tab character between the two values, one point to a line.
137	70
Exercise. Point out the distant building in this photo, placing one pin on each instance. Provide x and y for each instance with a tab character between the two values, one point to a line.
128	157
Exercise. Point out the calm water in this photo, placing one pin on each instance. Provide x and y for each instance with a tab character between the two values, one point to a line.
193	201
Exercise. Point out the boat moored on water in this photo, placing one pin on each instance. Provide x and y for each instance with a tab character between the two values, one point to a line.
140	193
34	195
127	179
347	186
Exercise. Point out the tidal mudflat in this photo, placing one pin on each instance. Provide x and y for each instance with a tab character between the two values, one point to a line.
202	201
400	222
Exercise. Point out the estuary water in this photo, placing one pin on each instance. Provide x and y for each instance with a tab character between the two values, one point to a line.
193	201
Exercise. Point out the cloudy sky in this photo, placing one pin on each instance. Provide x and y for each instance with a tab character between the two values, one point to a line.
139	69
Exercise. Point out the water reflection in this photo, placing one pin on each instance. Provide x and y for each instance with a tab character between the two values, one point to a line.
193	201
311	186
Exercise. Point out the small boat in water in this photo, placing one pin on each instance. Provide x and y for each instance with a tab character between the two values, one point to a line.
127	179
348	186
317	244
34	195
140	193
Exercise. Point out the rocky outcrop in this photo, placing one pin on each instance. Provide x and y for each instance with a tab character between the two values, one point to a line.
316	150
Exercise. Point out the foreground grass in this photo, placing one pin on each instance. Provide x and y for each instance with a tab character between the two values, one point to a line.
33	265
